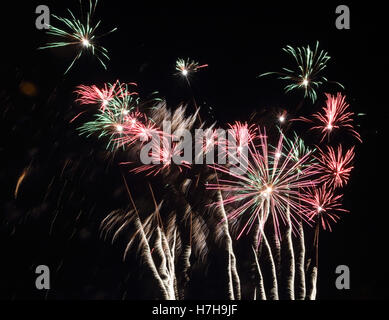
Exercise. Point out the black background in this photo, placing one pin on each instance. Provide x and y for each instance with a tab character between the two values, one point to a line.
238	41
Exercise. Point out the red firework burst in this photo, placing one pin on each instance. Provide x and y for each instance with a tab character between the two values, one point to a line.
102	97
334	167
322	205
335	115
135	127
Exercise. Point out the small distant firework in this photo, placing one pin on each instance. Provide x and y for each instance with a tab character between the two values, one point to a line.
186	67
322	205
334	167
335	115
271	185
310	64
81	33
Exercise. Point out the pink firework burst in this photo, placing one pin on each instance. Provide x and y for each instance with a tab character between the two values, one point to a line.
104	96
322	205
334	167
241	133
335	115
137	128
240	136
270	187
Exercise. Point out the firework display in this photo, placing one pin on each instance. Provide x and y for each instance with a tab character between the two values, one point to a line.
192	191
280	188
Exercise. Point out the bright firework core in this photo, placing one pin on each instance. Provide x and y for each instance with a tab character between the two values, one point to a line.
281	118
268	190
184	72
119	128
85	42
305	82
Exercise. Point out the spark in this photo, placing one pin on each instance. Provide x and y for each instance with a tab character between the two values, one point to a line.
20	180
85	42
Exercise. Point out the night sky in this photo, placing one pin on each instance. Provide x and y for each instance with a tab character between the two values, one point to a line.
238	42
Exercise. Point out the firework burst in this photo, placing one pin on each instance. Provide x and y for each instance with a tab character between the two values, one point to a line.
106	96
334	167
307	74
112	120
242	134
137	127
186	67
335	115
270	187
322	205
80	33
